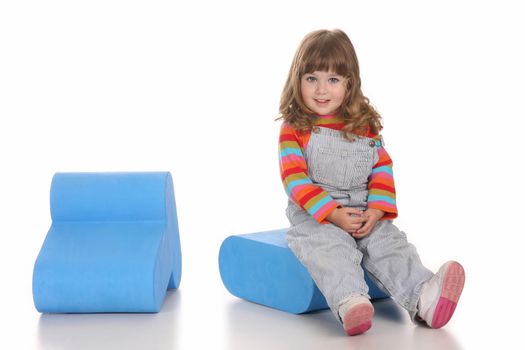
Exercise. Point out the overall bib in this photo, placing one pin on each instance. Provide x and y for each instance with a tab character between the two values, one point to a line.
331	255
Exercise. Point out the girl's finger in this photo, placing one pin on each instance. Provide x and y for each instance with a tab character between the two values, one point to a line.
354	228
357	220
366	227
353	211
358	235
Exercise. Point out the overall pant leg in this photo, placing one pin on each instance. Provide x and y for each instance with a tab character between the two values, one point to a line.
395	264
330	255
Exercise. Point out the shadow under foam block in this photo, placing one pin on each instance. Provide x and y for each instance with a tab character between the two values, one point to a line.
260	268
113	245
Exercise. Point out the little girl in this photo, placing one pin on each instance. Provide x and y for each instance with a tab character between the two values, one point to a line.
338	177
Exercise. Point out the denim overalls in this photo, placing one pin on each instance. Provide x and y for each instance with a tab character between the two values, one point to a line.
331	255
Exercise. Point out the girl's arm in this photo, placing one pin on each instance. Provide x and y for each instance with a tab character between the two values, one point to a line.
381	193
294	175
381	188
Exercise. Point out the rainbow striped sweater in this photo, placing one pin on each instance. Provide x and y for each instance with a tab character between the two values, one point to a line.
312	198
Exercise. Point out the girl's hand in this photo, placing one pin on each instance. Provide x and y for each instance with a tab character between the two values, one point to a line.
371	216
349	219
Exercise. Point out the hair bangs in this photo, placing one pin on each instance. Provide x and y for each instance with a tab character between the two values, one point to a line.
326	56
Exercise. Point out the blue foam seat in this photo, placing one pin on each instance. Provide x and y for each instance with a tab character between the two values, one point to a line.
260	267
113	245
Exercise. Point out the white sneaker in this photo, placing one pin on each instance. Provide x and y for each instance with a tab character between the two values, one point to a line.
440	295
356	314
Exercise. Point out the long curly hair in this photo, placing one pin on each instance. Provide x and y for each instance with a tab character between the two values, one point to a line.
328	50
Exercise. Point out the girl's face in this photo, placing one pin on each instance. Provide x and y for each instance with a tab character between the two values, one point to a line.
323	92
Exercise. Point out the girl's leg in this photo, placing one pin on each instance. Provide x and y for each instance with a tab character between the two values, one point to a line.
331	257
395	264
334	262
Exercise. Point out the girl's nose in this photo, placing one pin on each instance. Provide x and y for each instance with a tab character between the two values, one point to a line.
320	87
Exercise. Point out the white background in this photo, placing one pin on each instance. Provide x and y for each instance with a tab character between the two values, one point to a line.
193	88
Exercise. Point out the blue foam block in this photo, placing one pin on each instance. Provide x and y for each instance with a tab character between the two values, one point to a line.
260	267
113	245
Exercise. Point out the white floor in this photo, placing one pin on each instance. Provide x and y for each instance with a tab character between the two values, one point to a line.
202	314
244	326
236	324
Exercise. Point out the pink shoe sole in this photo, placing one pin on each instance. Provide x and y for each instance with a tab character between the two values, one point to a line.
358	319
453	282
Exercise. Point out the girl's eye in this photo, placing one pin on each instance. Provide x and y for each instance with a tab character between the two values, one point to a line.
310	79
333	80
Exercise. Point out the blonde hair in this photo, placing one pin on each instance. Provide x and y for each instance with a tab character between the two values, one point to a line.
325	50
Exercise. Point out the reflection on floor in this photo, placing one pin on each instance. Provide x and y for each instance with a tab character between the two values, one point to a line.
254	327
112	331
235	324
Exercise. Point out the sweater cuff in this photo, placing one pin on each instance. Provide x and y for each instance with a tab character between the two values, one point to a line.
327	209
389	210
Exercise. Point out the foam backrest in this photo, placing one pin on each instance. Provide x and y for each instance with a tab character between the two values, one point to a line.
109	196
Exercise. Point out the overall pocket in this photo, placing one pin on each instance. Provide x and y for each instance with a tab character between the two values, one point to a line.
341	168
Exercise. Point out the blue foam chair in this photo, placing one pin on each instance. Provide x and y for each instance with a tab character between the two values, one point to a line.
260	267
113	245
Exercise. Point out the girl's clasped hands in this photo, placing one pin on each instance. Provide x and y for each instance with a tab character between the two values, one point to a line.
356	222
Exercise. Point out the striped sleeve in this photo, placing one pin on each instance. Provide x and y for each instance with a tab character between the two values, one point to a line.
294	175
381	189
